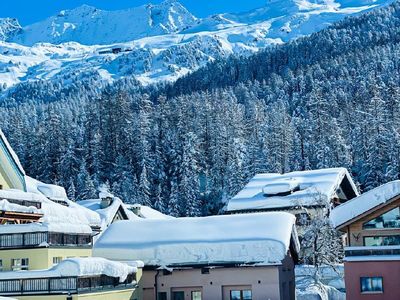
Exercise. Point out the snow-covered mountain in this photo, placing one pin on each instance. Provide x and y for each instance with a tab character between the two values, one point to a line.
9	28
155	42
89	26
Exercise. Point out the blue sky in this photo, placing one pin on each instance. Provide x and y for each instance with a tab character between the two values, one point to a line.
30	11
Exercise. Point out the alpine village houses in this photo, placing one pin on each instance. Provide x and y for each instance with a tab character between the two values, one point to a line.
371	225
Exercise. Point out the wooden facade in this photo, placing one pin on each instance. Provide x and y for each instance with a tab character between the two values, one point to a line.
11	217
356	234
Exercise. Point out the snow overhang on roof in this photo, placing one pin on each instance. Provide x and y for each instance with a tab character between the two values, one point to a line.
301	188
355	208
261	238
76	267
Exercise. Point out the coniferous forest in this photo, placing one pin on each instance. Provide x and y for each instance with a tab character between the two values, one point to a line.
327	100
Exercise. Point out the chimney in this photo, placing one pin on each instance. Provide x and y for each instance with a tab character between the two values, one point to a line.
136	209
106	201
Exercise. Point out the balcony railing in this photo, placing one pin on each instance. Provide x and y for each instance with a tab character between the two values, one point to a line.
27	203
368	251
41	239
62	285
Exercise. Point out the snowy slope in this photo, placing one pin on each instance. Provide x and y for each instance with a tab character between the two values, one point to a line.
156	43
89	26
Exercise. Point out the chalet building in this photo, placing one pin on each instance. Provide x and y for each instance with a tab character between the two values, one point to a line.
46	242
299	193
233	257
371	226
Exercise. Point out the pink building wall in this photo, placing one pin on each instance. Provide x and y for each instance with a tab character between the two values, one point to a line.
266	283
389	270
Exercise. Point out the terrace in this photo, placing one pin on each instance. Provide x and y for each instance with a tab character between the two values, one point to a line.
44	239
64	285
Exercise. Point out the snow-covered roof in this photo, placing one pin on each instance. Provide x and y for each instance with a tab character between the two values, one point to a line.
12	207
50	191
365	202
56	217
107	214
14	156
147	212
90	266
301	188
249	238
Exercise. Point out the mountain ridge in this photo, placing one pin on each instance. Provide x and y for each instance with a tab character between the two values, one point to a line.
166	43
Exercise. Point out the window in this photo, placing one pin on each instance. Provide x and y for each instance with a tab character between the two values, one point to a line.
18	264
390	219
241	295
162	296
389	240
178	295
56	260
196	295
371	284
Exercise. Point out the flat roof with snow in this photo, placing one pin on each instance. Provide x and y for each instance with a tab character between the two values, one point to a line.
302	188
357	207
77	267
263	238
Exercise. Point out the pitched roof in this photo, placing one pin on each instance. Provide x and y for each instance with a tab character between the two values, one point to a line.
262	238
107	214
300	188
11	152
362	204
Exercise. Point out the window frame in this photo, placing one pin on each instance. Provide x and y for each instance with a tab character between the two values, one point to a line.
371	282
381	215
196	291
241	293
379	236
23	264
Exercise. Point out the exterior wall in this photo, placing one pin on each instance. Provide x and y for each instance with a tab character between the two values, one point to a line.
389	270
10	178
41	258
123	294
355	233
264	281
3	181
287	279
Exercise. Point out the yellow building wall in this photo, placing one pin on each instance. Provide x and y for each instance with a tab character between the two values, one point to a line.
3	182
41	258
10	177
123	294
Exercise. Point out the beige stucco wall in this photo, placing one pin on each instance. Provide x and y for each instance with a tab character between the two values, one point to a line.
41	258
264	282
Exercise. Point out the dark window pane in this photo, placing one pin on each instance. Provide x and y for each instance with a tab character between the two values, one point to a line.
178	295
390	219
371	284
162	296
